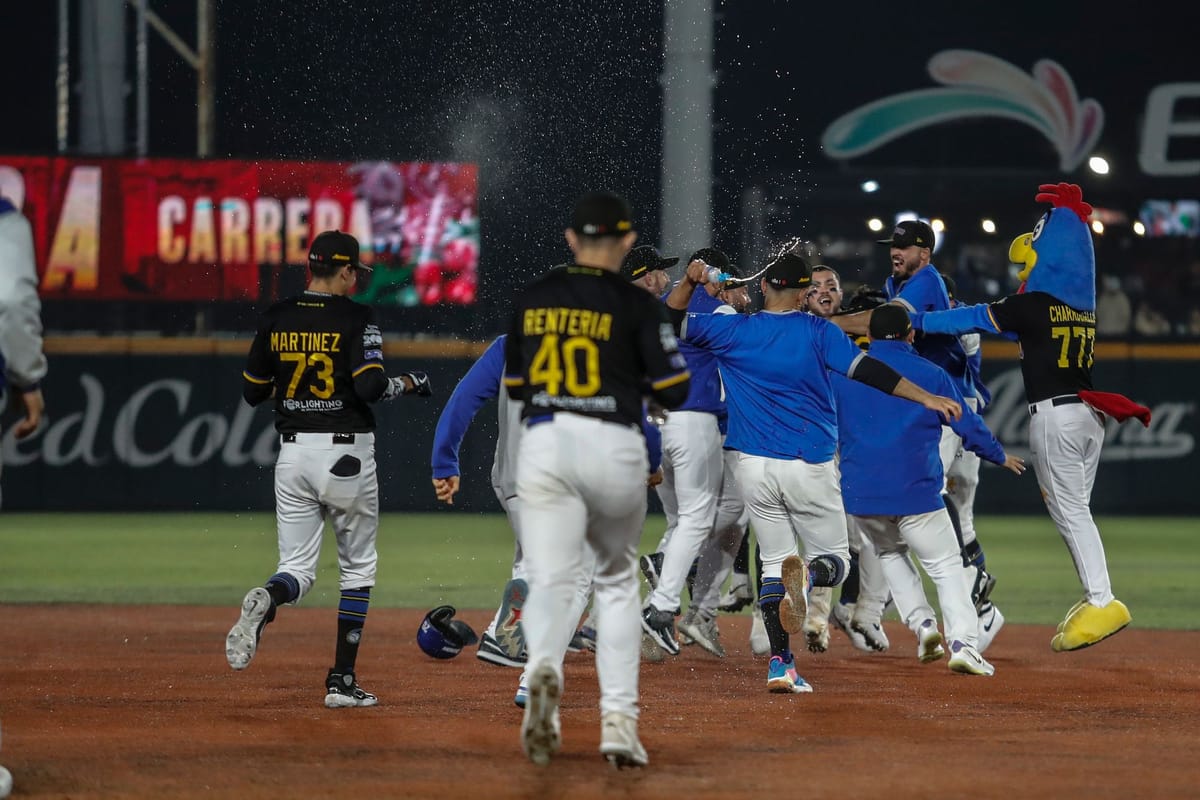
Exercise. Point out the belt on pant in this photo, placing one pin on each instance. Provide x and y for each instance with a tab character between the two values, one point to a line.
1062	400
337	438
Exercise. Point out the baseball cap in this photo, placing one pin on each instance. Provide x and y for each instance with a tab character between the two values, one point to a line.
335	248
716	258
789	271
602	214
889	321
911	232
643	259
951	288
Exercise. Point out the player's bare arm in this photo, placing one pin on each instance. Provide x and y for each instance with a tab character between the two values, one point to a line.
856	324
681	294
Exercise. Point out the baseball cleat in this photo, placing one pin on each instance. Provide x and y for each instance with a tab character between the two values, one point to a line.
702	631
619	741
794	605
816	621
872	634
651	651
760	642
990	623
242	642
738	597
840	618
660	626
929	647
509	633
492	652
966	660
1089	624
651	566
782	677
541	731
343	691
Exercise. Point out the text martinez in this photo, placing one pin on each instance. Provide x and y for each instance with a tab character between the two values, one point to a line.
305	341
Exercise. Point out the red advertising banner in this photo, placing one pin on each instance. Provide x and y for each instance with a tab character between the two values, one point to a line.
167	229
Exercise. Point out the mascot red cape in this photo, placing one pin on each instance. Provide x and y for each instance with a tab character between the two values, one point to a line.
1053	318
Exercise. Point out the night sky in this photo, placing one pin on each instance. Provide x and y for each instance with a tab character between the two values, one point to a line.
553	99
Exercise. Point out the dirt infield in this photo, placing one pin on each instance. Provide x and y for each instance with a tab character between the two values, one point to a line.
137	702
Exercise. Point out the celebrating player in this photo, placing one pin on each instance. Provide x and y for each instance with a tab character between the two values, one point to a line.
582	345
782	423
891	477
321	355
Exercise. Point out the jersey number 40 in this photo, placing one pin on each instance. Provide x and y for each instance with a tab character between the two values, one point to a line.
572	364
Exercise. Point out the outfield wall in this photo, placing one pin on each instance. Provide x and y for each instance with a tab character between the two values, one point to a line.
159	424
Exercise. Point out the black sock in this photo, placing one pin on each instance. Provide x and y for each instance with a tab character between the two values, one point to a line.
758	566
283	588
352	613
850	585
781	642
741	562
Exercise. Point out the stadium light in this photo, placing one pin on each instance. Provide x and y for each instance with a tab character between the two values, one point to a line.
1139	228
1097	226
870	186
875	224
1098	165
937	225
989	226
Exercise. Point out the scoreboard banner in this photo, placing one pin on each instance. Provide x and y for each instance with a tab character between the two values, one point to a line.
176	229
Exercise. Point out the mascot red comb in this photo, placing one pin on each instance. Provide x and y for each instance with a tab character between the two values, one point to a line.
1053	318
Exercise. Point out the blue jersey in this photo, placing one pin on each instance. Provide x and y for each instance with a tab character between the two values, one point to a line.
704	391
890	463
926	291
775	367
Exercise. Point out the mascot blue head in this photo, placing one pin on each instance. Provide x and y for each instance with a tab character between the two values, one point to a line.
1057	257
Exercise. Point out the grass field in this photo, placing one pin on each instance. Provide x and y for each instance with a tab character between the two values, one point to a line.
464	559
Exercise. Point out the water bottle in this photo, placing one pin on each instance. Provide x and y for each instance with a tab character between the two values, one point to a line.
715	275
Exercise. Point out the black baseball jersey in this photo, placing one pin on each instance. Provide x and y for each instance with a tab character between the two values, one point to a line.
588	341
323	355
1057	342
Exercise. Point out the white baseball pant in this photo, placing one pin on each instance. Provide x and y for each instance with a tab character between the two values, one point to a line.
960	468
790	498
582	482
1064	444
307	492
719	552
930	537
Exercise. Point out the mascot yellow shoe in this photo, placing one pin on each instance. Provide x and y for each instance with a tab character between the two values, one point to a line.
1087	624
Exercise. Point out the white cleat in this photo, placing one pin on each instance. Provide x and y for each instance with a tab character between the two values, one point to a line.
242	642
760	643
966	660
990	623
619	741
929	647
541	731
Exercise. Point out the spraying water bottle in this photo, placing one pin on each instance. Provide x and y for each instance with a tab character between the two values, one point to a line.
716	276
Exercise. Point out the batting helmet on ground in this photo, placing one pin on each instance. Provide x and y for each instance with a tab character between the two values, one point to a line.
442	636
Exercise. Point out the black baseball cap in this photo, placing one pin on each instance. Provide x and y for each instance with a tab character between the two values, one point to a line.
889	321
602	214
643	259
716	258
337	249
911	232
789	271
951	288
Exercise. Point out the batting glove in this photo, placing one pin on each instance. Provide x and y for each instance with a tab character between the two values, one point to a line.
420	383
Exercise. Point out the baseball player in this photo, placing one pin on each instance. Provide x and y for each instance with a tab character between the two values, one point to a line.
22	362
582	347
320	354
891	477
692	473
962	478
775	366
916	284
1053	317
824	299
503	642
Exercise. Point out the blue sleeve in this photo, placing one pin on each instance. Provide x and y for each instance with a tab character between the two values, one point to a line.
975	434
480	384
964	319
653	442
836	348
713	332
